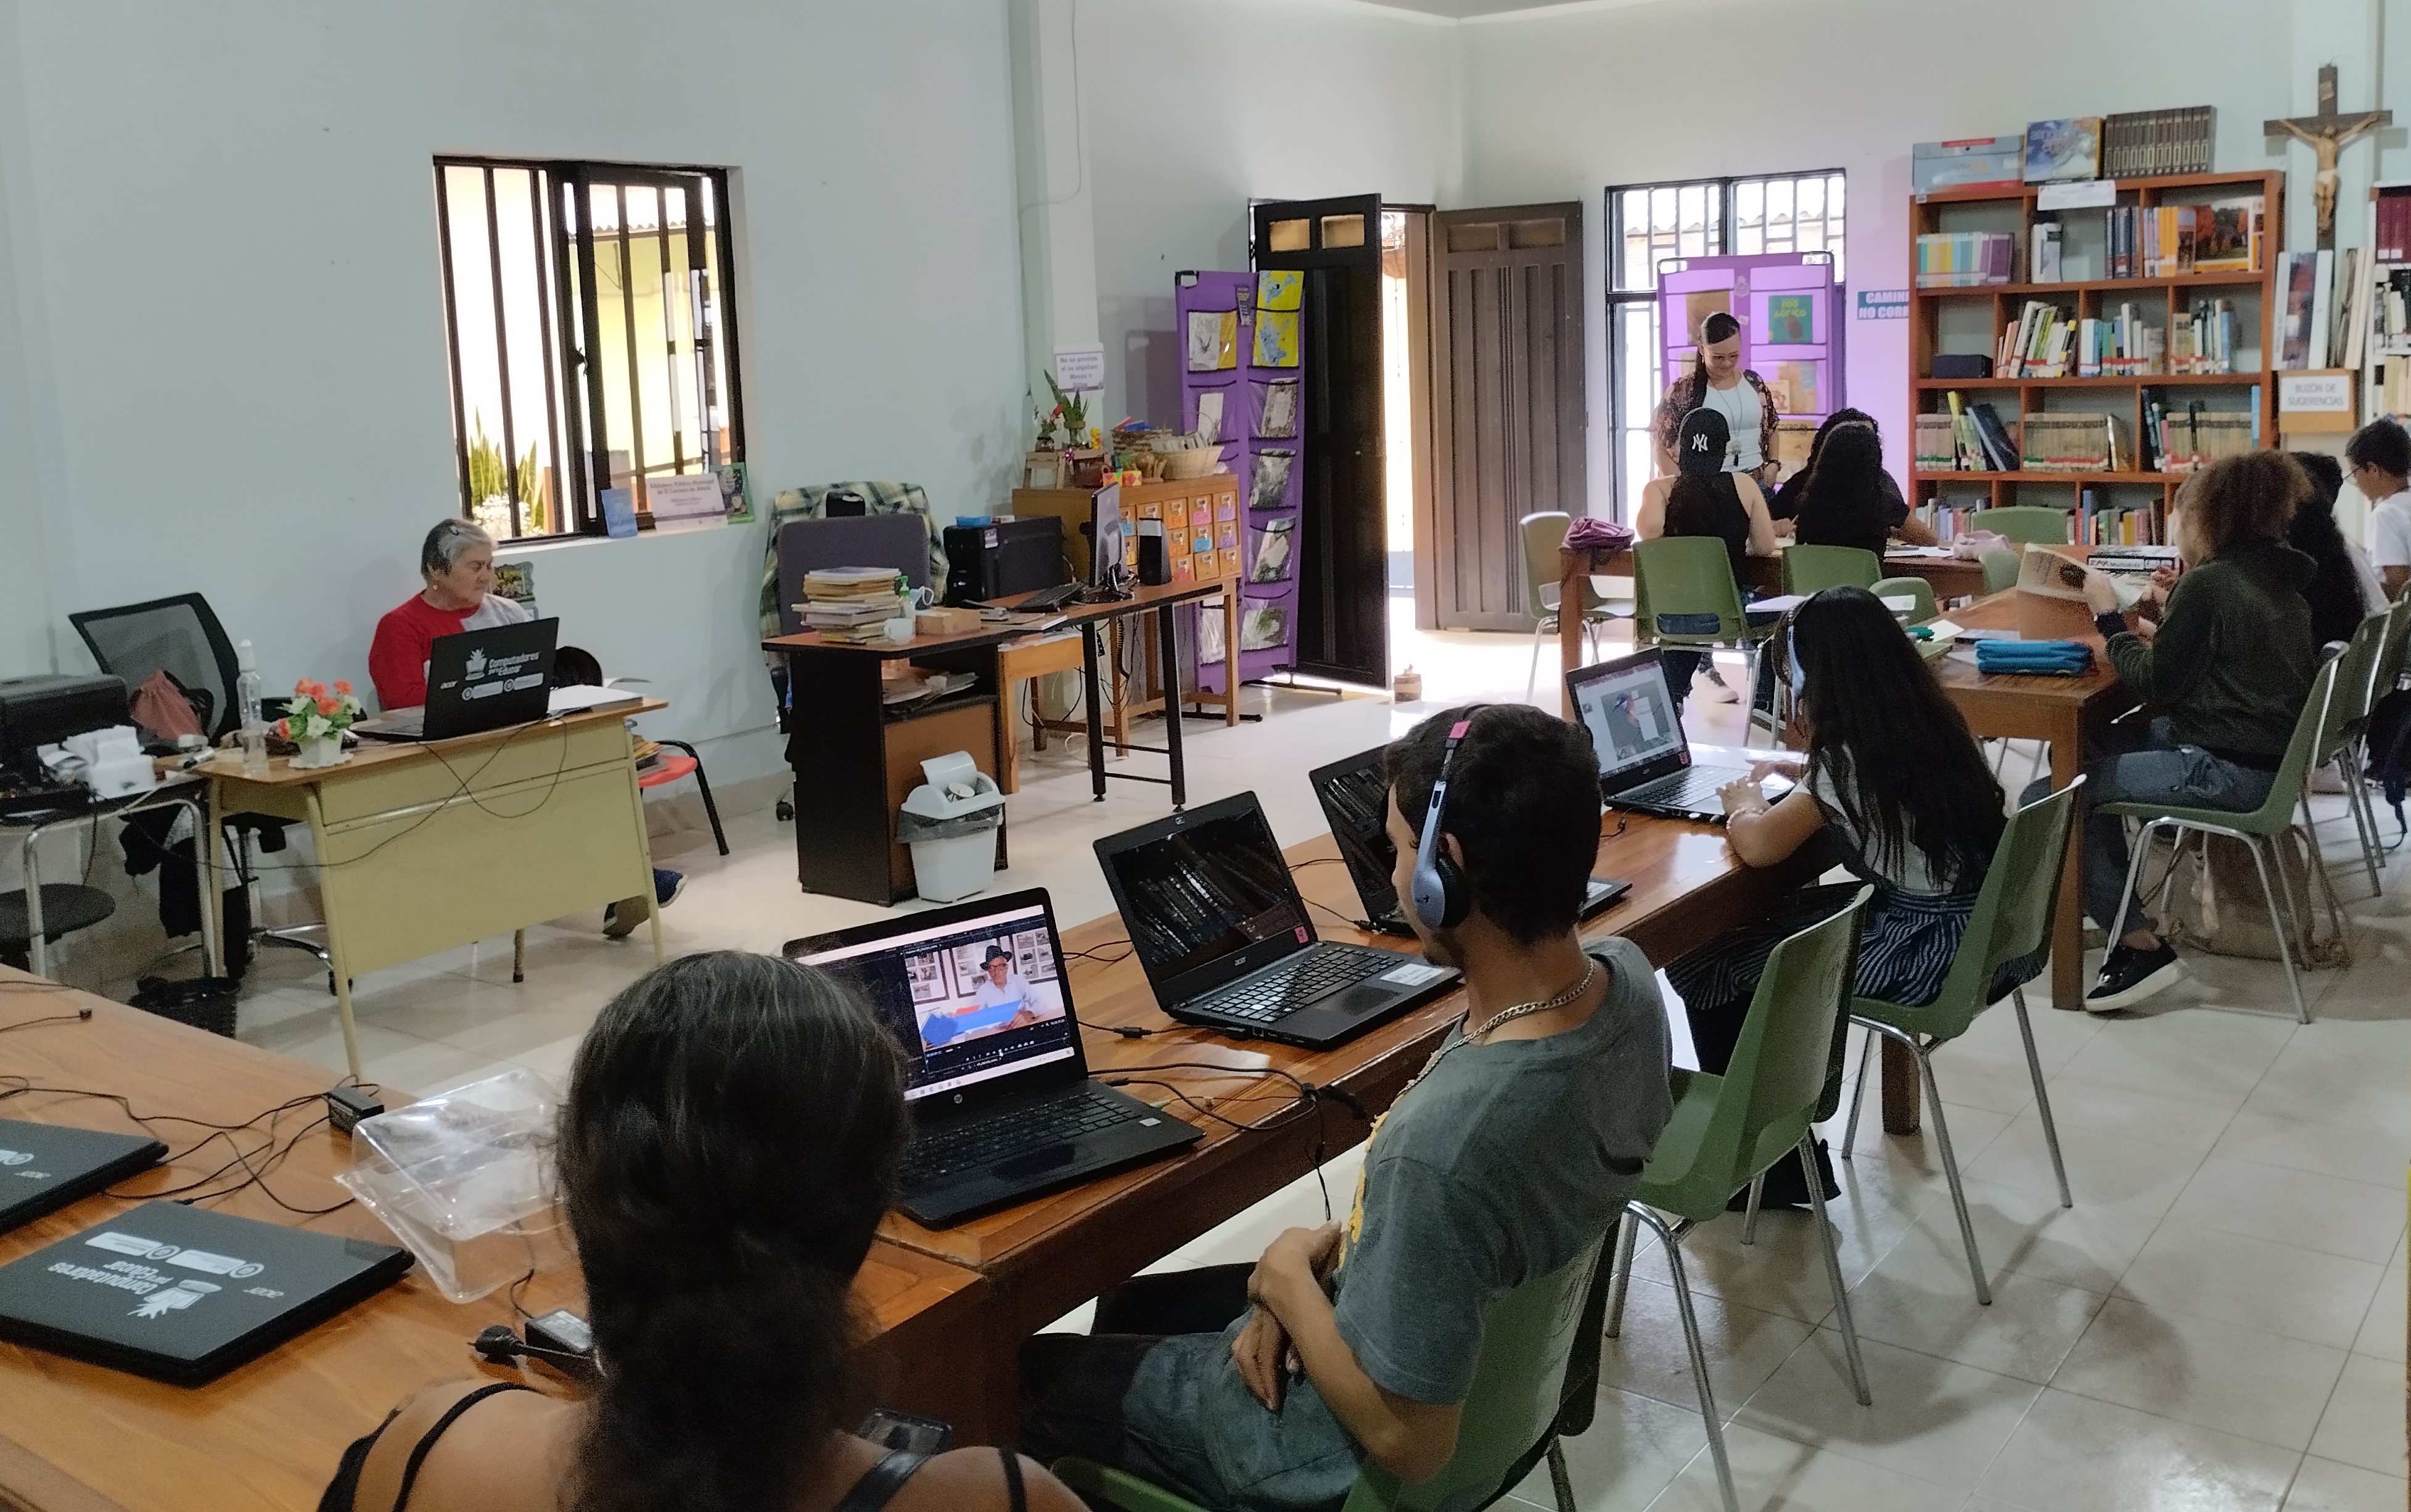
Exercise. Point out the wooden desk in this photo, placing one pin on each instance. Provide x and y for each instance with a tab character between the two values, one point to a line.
264	1437
1044	1258
423	847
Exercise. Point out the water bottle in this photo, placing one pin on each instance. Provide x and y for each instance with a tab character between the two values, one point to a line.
254	728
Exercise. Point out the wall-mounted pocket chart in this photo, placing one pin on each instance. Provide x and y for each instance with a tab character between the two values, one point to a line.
1790	307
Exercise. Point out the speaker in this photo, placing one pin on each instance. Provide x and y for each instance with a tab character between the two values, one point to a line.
1154	562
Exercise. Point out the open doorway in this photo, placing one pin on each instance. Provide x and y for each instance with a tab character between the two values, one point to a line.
1406	400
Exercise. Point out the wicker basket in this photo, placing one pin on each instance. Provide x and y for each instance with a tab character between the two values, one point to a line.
1197	462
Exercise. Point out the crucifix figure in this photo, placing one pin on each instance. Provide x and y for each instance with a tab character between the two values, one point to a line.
2326	132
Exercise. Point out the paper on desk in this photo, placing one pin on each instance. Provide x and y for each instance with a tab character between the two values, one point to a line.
1917	551
573	700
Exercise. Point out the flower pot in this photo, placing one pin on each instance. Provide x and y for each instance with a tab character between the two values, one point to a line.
324	753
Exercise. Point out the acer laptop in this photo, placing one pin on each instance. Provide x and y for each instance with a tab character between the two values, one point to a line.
44	1167
477	681
1002	1105
1355	798
1216	919
1645	759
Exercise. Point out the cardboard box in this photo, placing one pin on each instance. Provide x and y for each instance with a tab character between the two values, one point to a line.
1969	163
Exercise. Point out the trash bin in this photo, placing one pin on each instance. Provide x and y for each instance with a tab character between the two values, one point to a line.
950	822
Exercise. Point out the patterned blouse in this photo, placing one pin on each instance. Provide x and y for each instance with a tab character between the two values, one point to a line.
1684	396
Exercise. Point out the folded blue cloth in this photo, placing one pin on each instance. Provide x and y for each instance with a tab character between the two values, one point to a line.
2035	659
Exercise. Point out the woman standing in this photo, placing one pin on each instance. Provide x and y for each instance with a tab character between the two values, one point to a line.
1704	499
1718	381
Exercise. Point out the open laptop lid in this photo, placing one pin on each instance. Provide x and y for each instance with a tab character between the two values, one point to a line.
482	679
972	1033
1355	799
1629	710
1206	897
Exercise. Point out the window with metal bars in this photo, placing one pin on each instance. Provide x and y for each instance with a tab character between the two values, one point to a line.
1648	224
591	339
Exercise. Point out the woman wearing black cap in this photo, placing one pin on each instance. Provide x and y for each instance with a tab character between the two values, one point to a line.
1704	499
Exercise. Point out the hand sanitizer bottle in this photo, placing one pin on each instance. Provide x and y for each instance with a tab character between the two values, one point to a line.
254	728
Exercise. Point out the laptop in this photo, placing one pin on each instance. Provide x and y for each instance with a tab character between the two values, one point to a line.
43	1168
1217	921
477	681
183	1295
1002	1106
1355	799
1645	759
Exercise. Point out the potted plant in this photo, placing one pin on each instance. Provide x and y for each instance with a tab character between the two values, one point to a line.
315	719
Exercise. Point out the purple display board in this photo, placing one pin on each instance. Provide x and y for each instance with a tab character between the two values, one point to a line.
1241	358
1791	319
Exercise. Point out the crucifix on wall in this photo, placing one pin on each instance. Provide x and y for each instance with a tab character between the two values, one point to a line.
2326	132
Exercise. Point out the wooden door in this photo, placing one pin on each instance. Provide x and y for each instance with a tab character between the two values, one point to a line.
1506	401
1341	629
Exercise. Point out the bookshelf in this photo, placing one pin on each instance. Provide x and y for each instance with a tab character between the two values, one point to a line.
1970	320
2380	352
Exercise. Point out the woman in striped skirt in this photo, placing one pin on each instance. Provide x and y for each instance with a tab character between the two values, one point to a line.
1893	776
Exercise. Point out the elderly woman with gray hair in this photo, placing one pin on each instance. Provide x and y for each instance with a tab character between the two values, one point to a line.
456	560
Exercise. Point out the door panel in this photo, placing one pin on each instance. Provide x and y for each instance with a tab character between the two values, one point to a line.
1507	418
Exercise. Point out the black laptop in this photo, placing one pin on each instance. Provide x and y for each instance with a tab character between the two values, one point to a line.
1355	799
183	1295
1002	1107
1644	758
43	1168
477	681
1217	921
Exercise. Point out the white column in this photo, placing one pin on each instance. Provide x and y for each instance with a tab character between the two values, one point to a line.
1054	188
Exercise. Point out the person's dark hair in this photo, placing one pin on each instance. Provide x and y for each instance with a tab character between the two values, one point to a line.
1894	747
727	1149
1842	499
1523	802
1699	447
2241	501
1833	423
1720	326
2334	588
2382	444
2325	474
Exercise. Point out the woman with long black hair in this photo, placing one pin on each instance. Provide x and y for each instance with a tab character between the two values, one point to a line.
727	1149
1704	499
2344	588
1843	497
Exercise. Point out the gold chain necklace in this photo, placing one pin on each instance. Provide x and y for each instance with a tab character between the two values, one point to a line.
1503	1015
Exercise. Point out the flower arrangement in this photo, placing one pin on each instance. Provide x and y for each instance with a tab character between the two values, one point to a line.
317	713
1070	414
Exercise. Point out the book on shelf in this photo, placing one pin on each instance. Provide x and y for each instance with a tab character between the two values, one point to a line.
2394	232
2227	236
2102	524
2169	241
2042	252
2322	309
1965	259
2351	326
1962	438
1934	443
2075	441
2143	145
2204	341
2297	294
2194	435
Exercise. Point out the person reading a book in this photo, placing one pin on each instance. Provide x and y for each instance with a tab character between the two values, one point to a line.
1703	498
1511	1151
2379	454
1718	381
729	1146
1843	496
2343	588
2226	668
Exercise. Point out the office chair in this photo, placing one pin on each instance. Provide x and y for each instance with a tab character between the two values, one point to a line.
807	545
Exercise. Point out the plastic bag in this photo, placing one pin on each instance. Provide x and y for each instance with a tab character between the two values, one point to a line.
910	827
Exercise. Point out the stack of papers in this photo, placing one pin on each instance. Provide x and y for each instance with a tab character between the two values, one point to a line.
852	605
915	686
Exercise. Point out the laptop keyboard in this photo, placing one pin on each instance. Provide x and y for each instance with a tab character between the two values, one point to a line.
1277	994
1694	787
983	1141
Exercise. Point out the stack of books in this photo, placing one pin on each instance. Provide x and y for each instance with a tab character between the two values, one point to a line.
2224	236
2119	525
1960	259
2143	145
2194	437
1948	521
2204	341
852	605
2079	441
1968	439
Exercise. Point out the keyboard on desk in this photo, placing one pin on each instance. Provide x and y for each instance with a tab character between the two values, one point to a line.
975	1143
1277	993
1693	788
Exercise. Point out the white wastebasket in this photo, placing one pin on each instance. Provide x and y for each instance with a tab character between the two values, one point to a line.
950	823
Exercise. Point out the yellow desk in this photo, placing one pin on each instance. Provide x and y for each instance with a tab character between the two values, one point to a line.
423	847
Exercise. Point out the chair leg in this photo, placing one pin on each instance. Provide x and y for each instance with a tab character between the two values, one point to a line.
1532	676
1699	1353
2356	797
1857	1097
1559	1482
2285	944
1749	1214
1833	1270
1627	1238
2135	848
518	956
1951	1170
703	785
2042	1098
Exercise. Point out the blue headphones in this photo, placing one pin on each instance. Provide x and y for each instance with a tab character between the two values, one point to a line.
1440	898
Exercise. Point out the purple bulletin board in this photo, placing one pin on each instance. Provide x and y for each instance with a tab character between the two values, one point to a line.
1792	322
1254	368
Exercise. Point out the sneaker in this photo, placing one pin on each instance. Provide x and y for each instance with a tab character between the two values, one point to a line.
667	885
2130	976
1718	692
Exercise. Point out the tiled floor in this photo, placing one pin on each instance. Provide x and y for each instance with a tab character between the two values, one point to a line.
2218	1322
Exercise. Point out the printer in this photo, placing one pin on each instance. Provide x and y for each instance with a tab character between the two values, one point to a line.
36	711
1003	557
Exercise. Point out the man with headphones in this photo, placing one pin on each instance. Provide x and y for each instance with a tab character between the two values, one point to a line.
1512	1150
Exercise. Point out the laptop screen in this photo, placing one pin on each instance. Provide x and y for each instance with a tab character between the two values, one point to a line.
1355	796
971	1001
1205	890
1629	713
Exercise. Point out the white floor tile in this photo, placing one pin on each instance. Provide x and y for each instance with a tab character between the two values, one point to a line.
2244	1381
2133	1175
2087	1247
2325	1486
2352	1219
1635	1446
1772	1474
1744	1346
1932	1418
2363	1425
2382	1332
2075	1454
1923	1299
2231	1278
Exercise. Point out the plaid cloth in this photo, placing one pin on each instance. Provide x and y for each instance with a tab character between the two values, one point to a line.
807	504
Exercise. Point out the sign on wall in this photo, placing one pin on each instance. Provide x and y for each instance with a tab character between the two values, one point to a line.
1883	304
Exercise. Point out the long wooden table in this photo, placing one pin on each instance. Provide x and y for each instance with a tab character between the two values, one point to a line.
1044	1258
264	1437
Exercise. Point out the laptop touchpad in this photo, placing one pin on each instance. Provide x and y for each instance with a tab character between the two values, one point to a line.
1360	999
1034	1162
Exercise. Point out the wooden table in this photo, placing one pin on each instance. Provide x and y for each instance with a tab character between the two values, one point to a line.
264	1437
1044	1258
421	846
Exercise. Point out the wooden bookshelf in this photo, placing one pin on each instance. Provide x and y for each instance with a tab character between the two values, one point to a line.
1948	320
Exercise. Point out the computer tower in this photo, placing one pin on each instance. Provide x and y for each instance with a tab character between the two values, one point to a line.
986	563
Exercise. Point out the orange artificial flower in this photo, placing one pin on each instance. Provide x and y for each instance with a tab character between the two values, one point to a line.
283	731
301	688
326	706
342	687
318	690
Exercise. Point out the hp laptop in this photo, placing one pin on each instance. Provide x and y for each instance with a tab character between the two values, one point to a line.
43	1168
1002	1107
477	681
1217	921
1355	798
1645	759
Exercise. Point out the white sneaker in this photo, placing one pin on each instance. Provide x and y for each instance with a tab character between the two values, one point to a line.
1717	690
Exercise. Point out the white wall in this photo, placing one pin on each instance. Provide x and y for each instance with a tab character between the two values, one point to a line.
228	339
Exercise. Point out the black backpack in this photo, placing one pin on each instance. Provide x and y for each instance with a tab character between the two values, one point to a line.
2389	751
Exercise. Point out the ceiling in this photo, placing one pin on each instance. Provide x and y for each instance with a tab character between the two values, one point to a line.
1468	10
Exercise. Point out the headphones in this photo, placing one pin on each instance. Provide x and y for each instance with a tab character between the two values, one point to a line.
1440	898
1791	656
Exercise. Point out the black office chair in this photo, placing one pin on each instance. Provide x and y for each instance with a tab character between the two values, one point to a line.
182	637
805	546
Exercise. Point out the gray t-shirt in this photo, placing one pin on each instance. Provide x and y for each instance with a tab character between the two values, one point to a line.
1496	1169
1743	413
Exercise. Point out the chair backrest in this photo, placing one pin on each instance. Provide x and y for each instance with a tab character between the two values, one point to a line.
1916	588
2357	665
2001	569
898	541
2025	523
2275	813
2014	909
1528	1335
178	636
1686	575
2393	649
1808	569
811	503
1542	535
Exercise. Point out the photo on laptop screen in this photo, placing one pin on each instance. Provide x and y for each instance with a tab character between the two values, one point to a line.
1631	716
1208	891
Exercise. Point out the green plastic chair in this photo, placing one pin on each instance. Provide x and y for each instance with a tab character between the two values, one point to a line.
2013	916
1537	1380
2001	569
2340	736
1727	1131
2257	830
1691	575
1808	569
1542	535
2027	524
1916	588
